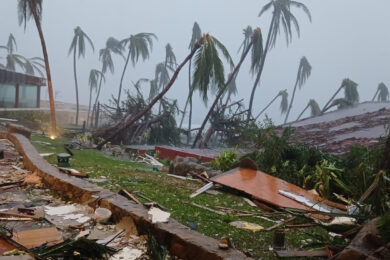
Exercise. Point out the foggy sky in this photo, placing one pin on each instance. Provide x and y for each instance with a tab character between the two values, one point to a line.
348	38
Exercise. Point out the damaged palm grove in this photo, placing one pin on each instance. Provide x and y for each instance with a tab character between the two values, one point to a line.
171	150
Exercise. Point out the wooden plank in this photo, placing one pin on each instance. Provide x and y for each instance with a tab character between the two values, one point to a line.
209	209
37	237
201	190
127	194
287	253
302	225
280	224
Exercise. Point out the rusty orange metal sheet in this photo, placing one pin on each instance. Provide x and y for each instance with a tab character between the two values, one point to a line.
265	187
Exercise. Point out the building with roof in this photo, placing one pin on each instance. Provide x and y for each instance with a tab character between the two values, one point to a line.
336	131
18	90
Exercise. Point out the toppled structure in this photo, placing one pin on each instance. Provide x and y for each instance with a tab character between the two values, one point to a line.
335	132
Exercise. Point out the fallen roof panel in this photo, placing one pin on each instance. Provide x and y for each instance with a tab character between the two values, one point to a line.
266	188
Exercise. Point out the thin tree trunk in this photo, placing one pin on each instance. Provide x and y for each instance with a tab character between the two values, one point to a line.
219	95
121	82
184	111
96	99
209	133
47	67
330	100
189	122
189	94
291	101
260	70
129	120
376	93
76	86
301	114
269	104
90	104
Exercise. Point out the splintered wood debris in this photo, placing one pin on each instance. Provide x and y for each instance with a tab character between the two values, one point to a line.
36	222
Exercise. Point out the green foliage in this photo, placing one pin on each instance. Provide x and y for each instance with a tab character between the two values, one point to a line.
311	168
208	66
165	131
326	180
225	161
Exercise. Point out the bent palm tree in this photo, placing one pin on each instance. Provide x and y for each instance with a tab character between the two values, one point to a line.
283	103
350	92
282	16
314	109
139	45
94	76
26	10
78	44
196	35
105	56
382	92
201	69
303	74
11	45
205	46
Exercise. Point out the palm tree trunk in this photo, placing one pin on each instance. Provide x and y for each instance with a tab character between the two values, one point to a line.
76	86
47	67
121	82
301	114
184	111
260	70
96	99
269	104
376	93
221	92
129	120
90	104
291	101
189	121
330	100
189	94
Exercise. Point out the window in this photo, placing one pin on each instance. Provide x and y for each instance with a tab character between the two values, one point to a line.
28	96
7	95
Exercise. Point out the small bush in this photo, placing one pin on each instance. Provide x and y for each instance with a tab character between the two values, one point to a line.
225	161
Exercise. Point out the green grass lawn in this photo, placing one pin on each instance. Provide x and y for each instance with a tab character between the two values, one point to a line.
174	194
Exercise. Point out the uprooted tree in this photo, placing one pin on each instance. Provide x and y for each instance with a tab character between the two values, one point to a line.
205	43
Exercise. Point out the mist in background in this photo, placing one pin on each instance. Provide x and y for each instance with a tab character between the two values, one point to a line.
348	38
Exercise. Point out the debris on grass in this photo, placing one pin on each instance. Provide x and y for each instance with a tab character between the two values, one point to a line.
201	190
157	215
246	225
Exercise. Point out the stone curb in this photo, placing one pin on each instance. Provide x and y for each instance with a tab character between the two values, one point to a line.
179	239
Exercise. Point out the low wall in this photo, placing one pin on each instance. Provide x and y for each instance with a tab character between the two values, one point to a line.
179	239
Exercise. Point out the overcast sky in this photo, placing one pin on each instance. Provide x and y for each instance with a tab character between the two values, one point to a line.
348	38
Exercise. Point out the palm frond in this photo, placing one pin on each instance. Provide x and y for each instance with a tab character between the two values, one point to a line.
257	50
208	67
383	94
284	102
11	43
78	42
315	109
283	18
112	46
94	76
170	58
304	71
196	35
24	11
140	45
248	32
351	93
